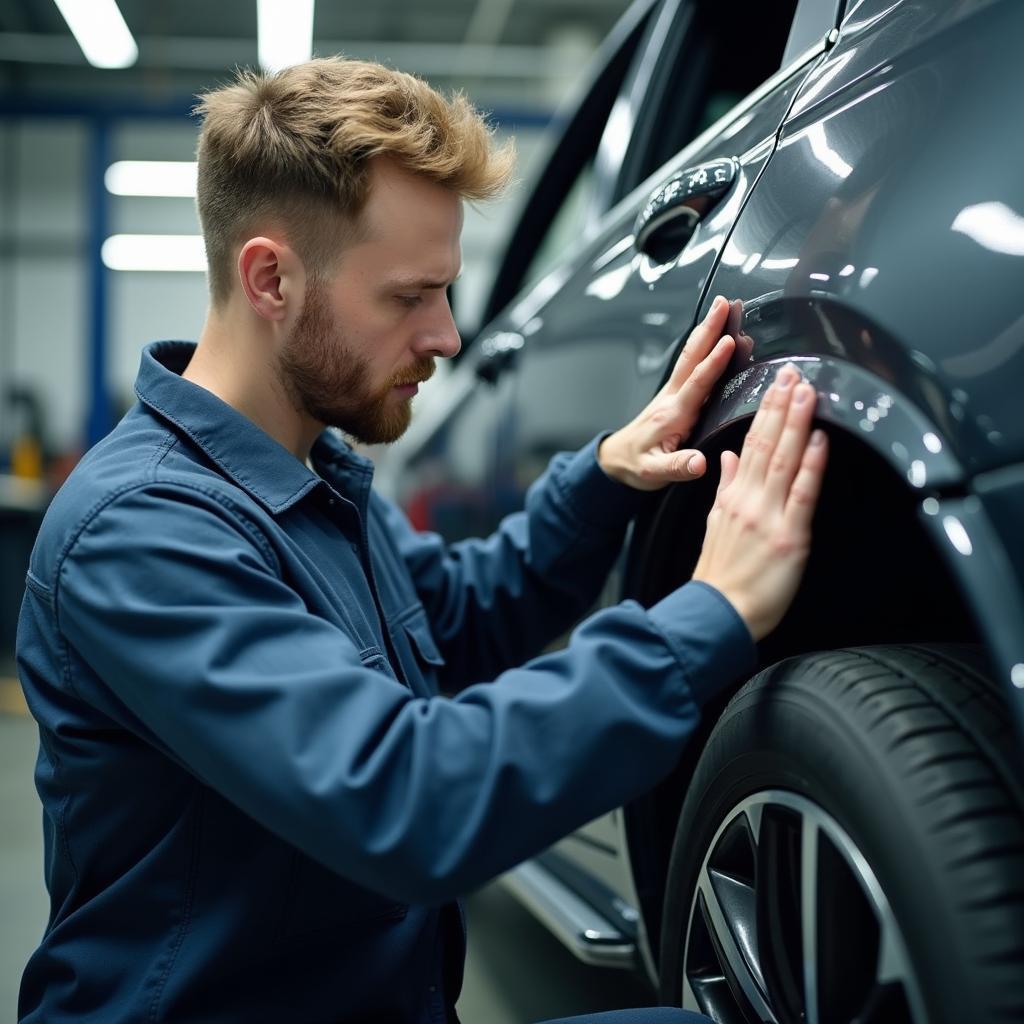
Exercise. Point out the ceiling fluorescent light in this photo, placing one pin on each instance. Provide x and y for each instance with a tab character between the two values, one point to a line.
155	252
100	31
152	178
285	32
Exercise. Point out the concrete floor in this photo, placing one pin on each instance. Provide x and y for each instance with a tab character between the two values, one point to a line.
516	971
22	896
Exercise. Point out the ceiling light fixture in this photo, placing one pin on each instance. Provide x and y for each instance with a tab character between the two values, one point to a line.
100	31
155	252
285	32
152	178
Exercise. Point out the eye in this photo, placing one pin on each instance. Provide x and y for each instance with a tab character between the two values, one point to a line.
409	301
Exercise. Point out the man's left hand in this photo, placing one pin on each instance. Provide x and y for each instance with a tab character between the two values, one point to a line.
645	454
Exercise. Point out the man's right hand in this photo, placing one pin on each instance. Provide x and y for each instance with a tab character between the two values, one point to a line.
759	529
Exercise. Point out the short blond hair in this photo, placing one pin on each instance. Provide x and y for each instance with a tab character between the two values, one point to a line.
294	147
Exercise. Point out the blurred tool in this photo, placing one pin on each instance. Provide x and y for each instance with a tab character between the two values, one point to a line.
26	456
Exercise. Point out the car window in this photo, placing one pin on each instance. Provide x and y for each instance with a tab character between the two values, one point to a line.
705	65
678	68
566	225
564	187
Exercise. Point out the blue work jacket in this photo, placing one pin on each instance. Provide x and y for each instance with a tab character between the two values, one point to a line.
257	806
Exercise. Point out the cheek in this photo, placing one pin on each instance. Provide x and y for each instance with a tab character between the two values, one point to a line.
394	344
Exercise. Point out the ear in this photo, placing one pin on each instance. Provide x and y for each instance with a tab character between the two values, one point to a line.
272	277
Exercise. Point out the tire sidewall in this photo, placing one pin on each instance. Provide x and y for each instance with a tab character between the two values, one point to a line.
793	737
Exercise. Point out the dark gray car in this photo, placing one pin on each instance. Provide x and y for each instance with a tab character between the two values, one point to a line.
844	839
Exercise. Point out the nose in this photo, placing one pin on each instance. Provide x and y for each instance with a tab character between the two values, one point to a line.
442	339
452	343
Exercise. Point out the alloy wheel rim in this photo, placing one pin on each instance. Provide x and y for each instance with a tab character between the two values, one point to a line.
789	925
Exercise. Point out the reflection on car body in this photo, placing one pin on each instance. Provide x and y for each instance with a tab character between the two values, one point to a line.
844	838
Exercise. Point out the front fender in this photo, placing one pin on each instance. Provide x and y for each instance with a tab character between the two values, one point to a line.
883	397
867	386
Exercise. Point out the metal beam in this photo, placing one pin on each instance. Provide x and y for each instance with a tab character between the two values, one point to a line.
204	53
118	108
100	416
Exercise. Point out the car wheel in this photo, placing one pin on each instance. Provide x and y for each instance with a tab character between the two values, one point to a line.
851	848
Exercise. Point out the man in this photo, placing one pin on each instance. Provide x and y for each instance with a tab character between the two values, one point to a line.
257	807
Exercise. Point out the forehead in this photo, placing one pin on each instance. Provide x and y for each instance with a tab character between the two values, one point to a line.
410	224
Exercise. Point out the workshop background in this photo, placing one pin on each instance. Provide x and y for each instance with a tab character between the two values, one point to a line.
99	254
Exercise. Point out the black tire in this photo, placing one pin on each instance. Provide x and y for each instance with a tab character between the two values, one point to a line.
907	756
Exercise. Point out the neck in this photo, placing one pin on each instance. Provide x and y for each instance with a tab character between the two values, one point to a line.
236	361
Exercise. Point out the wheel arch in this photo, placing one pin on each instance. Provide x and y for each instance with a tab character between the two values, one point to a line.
885	567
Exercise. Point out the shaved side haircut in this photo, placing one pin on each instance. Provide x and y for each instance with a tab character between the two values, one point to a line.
292	150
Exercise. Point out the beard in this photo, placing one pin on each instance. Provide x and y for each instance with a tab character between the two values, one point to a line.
326	379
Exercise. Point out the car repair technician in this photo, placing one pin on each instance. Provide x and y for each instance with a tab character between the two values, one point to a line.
257	805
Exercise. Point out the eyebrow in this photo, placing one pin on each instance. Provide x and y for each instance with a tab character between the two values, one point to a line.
416	283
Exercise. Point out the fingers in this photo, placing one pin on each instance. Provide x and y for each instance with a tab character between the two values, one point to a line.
759	529
730	464
696	389
700	342
677	467
763	435
803	495
789	450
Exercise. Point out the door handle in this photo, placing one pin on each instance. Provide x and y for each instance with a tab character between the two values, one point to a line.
498	352
671	214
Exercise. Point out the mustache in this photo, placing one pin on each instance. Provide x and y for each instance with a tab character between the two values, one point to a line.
417	374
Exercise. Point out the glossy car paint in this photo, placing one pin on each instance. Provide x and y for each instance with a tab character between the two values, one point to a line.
885	258
594	339
867	207
869	243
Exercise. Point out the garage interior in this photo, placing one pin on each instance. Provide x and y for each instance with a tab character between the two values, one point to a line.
813	162
74	315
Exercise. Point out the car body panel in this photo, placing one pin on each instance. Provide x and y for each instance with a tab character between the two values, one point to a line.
595	355
865	209
968	539
878	255
866	243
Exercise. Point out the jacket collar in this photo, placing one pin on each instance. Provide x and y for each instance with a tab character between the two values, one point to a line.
249	456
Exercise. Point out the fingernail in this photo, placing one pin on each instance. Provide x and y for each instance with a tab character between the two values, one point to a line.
803	393
693	464
817	437
785	377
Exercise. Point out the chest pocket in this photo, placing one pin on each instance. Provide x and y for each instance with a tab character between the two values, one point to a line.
415	646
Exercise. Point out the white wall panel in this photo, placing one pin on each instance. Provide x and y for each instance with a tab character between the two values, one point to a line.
45	270
50	333
147	307
51	164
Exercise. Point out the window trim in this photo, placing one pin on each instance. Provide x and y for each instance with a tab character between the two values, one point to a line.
813	20
567	155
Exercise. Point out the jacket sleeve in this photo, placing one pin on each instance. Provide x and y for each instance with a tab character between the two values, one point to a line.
495	602
175	603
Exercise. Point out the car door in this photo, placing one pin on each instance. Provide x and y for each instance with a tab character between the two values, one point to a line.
583	322
588	345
